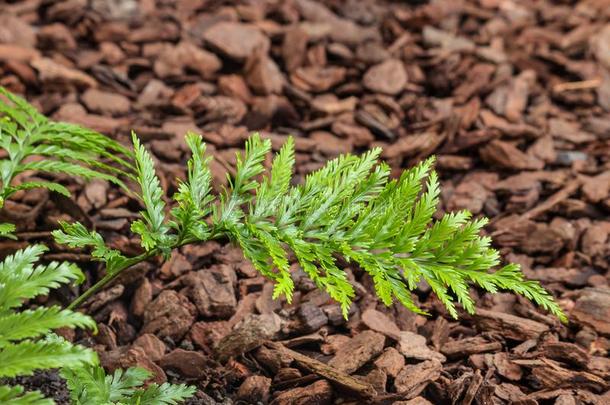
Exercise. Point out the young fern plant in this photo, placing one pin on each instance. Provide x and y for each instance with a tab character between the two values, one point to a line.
350	208
26	342
91	385
32	142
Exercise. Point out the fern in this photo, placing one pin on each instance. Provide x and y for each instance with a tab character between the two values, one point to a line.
32	142
25	340
91	385
349	209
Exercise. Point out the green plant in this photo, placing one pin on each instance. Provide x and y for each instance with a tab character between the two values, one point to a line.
91	385
32	142
349	209
25	340
27	344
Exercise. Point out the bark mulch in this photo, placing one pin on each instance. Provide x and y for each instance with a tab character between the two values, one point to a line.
513	97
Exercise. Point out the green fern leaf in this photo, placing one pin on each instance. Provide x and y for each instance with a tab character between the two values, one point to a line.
25	357
34	323
29	281
16	396
164	394
152	229
6	230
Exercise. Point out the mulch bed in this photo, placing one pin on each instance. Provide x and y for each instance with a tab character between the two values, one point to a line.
513	97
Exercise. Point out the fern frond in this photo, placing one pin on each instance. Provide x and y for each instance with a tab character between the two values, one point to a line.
16	396
26	342
27	136
274	187
56	187
348	209
151	228
77	236
38	322
25	357
193	197
22	280
164	394
249	165
91	385
6	230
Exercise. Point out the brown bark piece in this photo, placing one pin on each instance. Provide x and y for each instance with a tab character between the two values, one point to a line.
255	389
391	361
551	375
104	102
263	75
169	315
511	326
294	47
358	351
380	322
506	368
593	309
413	346
212	291
388	77
566	352
235	40
51	71
173	61
413	379
319	392
334	375
152	346
187	363
248	335
468	346
506	155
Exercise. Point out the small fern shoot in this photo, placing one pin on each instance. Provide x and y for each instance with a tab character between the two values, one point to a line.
91	385
26	342
348	209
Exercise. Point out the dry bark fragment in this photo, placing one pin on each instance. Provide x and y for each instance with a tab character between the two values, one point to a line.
51	71
593	309
388	77
263	75
380	322
170	314
212	291
152	346
390	362
506	368
413	346
103	102
337	377
551	375
255	389
319	392
248	335
511	326
468	346
358	351
188	363
566	352
294	47
413	379
142	297
235	40
506	155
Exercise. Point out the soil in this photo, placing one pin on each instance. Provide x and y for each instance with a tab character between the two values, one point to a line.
513	97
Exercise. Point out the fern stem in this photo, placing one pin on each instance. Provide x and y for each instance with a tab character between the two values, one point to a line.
110	276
